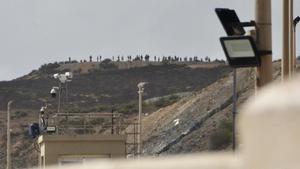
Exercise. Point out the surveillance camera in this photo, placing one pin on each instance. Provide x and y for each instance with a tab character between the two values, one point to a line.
42	111
63	78
69	75
53	92
56	76
142	84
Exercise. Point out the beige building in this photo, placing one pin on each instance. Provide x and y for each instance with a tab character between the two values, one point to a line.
64	149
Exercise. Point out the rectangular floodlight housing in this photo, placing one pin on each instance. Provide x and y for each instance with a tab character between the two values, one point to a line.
51	129
240	51
230	21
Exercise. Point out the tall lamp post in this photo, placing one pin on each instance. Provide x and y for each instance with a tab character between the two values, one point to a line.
140	92
240	50
8	161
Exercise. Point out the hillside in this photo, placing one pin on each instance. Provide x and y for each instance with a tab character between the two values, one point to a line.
106	85
195	123
189	124
93	91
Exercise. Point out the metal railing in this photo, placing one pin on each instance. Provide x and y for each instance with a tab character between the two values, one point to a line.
95	124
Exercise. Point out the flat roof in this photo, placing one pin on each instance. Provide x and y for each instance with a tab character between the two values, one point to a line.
105	137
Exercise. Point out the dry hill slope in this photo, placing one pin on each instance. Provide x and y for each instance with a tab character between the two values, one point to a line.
90	92
187	125
198	117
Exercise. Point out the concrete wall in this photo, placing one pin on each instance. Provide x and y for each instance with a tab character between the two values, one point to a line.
54	147
269	137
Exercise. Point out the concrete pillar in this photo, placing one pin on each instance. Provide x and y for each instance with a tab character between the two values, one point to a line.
264	41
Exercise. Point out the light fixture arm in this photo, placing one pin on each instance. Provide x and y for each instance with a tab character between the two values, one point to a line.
264	52
248	24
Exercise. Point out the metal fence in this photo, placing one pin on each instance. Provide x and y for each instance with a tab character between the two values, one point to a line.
95	124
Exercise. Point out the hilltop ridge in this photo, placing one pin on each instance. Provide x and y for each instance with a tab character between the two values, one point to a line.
104	83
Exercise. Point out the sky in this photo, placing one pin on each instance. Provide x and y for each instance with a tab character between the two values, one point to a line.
35	32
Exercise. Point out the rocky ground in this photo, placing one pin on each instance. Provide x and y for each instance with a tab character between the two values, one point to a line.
187	126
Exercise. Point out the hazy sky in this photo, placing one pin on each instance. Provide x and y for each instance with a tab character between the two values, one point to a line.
34	32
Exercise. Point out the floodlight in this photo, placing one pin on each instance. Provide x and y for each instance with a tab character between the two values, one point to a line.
50	129
240	51
230	21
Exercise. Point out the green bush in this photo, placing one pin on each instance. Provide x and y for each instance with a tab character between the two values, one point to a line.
102	107
129	108
19	114
108	65
96	121
163	102
222	136
49	68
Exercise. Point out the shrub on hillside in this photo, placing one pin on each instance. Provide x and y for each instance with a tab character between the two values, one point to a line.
19	114
222	136
129	108
108	65
49	68
166	101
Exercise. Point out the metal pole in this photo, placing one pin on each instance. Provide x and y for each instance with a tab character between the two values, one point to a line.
264	41
285	47
295	48
134	139
8	162
234	110
140	122
112	121
59	93
291	36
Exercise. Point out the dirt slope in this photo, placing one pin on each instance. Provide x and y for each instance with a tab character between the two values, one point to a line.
186	126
